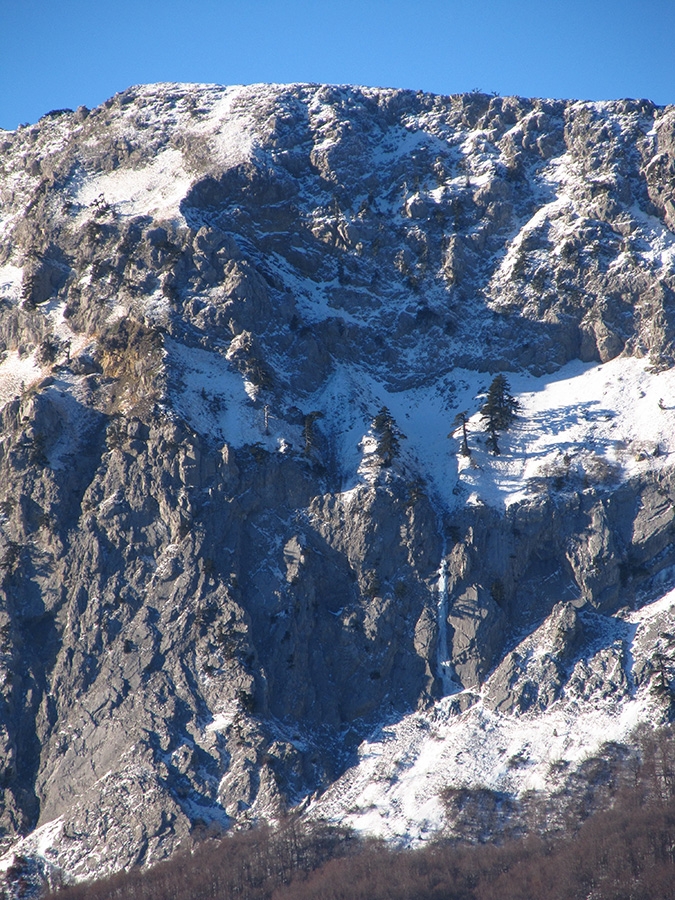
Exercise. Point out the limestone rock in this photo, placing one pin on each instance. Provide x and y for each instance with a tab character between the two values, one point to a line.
205	604
532	676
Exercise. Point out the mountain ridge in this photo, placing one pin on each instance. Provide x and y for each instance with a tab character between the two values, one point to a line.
214	587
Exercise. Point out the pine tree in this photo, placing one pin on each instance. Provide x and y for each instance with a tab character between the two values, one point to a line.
499	410
388	434
461	419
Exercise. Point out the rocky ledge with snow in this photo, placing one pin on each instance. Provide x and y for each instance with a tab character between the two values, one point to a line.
247	563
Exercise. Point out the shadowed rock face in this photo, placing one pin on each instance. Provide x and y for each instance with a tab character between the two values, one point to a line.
208	595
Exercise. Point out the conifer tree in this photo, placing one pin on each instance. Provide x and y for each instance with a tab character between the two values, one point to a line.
388	434
499	410
461	419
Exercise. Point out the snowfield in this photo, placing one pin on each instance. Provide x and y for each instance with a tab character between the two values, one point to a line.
601	423
11	281
225	123
585	424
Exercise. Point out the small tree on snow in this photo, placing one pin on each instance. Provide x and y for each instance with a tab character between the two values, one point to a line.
499	410
388	435
460	420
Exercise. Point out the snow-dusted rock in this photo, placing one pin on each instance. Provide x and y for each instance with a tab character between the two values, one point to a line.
213	588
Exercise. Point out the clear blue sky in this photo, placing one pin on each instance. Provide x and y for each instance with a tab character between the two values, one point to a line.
63	53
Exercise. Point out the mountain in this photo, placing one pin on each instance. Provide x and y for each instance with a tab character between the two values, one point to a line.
247	563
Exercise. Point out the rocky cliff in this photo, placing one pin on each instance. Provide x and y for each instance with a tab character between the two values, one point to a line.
220	572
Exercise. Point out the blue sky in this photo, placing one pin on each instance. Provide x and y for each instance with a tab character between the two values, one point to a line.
64	53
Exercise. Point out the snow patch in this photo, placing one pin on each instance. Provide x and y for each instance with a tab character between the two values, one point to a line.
156	189
156	308
76	341
17	374
595	423
231	123
39	843
11	283
223	721
217	400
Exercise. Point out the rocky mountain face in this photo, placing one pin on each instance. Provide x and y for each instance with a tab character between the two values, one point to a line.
216	582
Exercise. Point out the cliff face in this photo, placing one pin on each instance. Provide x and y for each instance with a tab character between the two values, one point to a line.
214	584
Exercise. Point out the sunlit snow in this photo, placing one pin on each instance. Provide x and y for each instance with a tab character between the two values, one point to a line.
16	374
11	280
156	189
595	422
